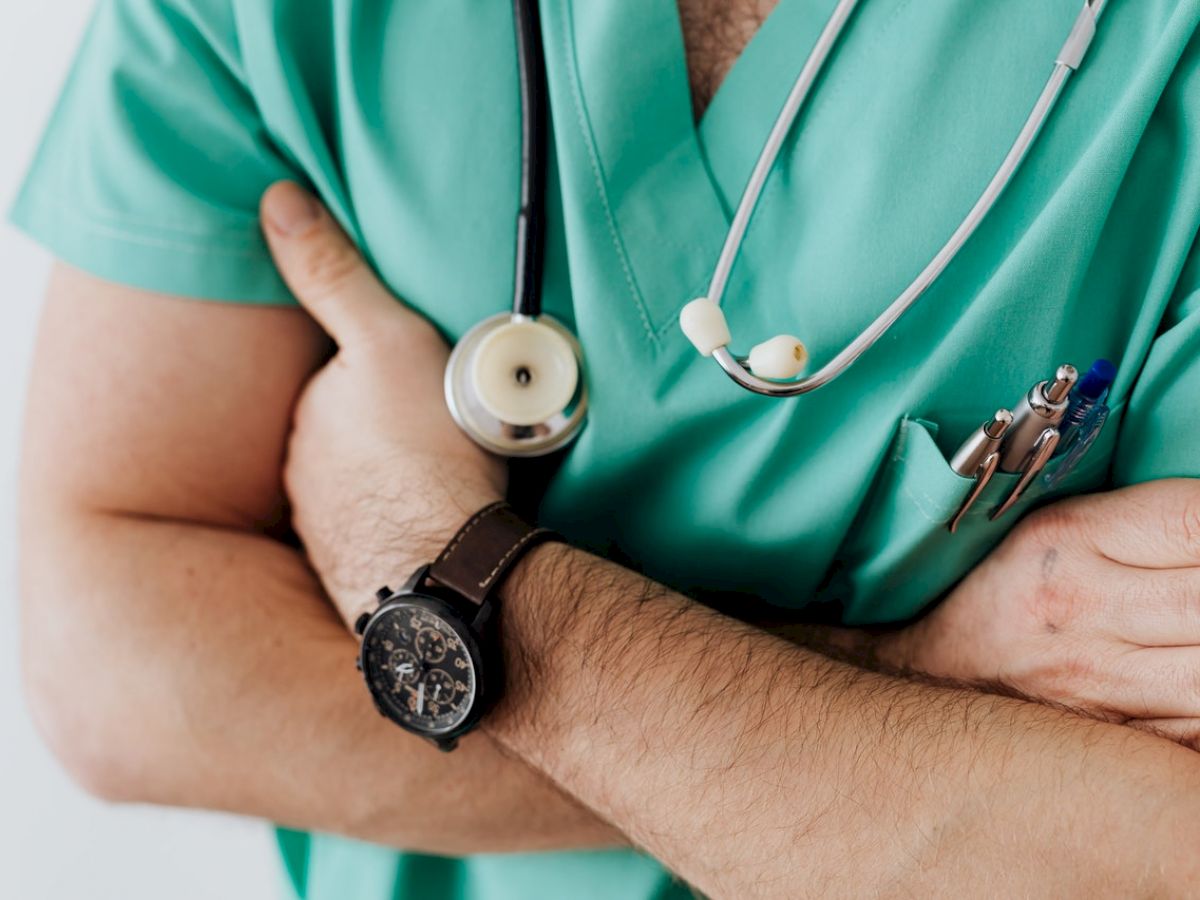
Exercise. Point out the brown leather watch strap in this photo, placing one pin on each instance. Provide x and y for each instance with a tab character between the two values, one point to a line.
484	550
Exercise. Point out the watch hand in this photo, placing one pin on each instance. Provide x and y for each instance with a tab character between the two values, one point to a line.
421	699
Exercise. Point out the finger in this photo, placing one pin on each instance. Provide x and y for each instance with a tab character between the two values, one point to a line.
1181	731
1150	683
323	268
1155	525
1152	607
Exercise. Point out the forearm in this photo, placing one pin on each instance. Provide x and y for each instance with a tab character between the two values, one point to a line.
753	767
197	666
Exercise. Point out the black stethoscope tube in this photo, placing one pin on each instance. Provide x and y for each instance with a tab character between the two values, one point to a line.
531	236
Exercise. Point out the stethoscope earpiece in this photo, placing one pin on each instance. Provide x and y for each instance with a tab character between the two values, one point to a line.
778	359
513	385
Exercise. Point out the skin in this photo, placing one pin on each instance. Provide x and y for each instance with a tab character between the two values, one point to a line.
714	34
156	601
733	756
1093	603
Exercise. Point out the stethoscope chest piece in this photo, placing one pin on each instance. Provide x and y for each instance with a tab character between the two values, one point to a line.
513	385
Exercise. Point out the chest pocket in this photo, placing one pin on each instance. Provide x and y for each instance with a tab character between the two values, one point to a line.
900	556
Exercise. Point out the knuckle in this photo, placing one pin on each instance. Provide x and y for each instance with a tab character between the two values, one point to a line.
1187	682
1044	571
1055	524
1184	599
1189	527
1053	606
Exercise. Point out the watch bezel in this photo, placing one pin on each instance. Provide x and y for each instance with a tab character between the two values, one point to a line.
452	613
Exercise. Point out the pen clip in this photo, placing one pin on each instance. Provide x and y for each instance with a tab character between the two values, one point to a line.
1038	457
983	475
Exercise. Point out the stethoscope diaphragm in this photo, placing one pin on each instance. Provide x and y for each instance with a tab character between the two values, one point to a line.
514	385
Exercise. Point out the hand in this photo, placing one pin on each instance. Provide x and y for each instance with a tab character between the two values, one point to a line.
1092	602
378	474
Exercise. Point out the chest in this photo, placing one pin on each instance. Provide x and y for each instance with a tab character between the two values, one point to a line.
715	32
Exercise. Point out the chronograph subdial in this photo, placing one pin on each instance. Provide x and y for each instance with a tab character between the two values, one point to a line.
440	686
431	644
404	666
435	693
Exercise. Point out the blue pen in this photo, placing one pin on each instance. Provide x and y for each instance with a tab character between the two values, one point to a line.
1085	417
1090	393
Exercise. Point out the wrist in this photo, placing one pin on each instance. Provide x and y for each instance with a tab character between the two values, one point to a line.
386	544
431	653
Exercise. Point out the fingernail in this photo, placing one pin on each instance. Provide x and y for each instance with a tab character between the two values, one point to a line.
290	209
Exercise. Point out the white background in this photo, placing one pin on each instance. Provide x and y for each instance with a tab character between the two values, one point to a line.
55	842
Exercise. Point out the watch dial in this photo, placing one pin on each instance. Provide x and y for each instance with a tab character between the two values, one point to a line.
420	669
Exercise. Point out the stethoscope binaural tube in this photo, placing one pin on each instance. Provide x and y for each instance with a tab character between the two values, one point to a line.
514	382
770	366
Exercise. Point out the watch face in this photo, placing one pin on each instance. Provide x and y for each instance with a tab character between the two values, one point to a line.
419	668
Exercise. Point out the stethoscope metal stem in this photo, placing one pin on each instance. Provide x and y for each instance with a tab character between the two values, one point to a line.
1069	59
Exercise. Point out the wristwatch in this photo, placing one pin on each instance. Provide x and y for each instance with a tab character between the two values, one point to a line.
430	652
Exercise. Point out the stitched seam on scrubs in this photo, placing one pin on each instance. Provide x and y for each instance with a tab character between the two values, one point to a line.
589	141
246	237
218	241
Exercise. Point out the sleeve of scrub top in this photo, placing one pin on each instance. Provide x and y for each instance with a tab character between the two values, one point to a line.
1160	434
151	169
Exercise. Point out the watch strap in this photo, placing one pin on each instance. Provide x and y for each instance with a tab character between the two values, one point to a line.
485	550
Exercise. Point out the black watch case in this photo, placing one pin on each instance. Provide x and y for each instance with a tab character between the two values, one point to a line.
430	659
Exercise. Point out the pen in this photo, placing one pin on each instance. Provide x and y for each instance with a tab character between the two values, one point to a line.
978	458
1085	418
1090	393
1042	408
1037	459
982	443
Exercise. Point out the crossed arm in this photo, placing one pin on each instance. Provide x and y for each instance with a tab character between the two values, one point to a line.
755	768
174	652
155	602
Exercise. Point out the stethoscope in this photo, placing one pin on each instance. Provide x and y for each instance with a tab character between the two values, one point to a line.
515	382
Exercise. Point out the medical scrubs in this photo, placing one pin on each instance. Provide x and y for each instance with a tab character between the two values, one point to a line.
404	116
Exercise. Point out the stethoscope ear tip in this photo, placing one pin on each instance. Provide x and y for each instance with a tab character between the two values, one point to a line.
781	358
704	325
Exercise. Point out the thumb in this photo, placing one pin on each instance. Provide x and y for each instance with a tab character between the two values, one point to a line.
322	267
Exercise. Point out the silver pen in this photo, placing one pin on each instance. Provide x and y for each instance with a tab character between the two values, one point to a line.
1034	436
1042	408
978	458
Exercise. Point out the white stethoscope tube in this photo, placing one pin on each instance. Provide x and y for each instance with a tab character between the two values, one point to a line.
702	319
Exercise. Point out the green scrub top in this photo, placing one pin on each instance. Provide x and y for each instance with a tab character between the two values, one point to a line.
404	116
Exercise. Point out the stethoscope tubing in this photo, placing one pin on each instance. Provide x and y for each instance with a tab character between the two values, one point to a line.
535	160
495	419
1068	61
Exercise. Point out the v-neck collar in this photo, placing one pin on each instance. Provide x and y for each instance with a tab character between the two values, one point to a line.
741	114
668	184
